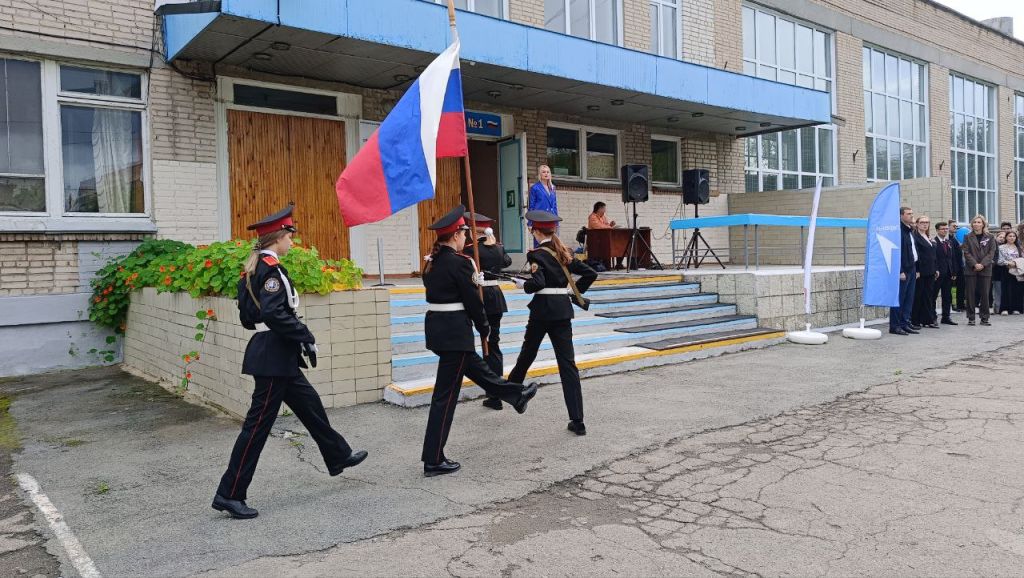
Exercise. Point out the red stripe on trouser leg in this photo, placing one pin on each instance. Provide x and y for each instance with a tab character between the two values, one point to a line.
241	463
455	393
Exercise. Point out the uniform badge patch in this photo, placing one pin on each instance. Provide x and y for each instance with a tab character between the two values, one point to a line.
534	267
272	285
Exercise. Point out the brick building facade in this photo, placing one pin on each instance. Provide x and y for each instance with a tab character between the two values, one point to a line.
51	231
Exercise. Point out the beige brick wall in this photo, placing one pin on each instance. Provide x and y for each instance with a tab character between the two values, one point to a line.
352	328
636	24
185	200
780	245
125	25
1005	173
849	95
527	12
698	23
729	35
181	113
31	265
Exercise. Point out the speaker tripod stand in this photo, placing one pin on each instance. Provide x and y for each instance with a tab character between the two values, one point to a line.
635	245
692	253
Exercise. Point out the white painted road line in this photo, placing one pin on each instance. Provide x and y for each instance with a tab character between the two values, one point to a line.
81	561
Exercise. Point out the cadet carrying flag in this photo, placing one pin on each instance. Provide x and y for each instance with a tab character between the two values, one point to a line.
397	166
882	250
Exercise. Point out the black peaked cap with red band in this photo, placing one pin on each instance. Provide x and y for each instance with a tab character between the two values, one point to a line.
279	220
543	219
453	221
481	220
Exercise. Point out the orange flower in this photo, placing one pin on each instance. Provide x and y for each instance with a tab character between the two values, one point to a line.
208	263
188	375
167	280
190	266
95	299
123	326
323	269
188	359
135	276
210	313
120	269
173	268
162	268
238	243
202	246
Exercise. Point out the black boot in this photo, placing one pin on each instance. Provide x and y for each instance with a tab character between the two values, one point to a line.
236	508
492	403
354	459
524	398
445	467
577	427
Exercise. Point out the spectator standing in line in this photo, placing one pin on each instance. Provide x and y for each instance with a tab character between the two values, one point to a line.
979	256
923	314
899	317
1011	300
949	264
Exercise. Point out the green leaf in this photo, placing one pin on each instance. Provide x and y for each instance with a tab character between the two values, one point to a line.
200	336
184	382
109	358
111	339
200	326
200	314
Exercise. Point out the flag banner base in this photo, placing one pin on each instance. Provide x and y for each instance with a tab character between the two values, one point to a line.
807	337
862	332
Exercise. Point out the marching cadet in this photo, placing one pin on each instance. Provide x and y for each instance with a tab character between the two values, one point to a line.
267	303
551	313
453	308
493	259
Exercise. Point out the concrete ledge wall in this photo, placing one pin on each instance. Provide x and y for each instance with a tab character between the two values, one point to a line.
777	299
353	331
928	196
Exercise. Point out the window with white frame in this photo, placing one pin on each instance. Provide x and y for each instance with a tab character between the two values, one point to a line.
577	152
495	8
593	19
777	48
1018	125
72	140
665	28
895	117
665	160
972	149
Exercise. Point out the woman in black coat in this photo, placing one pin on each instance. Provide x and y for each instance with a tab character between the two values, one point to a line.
923	312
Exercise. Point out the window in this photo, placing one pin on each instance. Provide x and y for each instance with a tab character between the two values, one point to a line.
665	160
598	159
783	50
71	141
22	178
593	19
895	117
972	149
1018	125
495	8
665	28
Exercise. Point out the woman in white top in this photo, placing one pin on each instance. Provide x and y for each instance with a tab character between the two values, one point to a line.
1012	298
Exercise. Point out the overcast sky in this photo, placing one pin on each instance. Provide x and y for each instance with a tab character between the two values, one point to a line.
984	9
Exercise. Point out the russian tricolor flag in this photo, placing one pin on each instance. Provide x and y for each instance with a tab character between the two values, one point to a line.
397	166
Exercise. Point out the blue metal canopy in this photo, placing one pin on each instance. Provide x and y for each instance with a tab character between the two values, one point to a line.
381	43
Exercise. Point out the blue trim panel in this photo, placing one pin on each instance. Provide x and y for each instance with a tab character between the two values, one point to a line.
423	25
767	220
181	29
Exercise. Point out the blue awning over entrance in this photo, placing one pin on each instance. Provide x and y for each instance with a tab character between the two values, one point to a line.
379	43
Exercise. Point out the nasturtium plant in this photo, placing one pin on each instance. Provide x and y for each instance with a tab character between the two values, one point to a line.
206	270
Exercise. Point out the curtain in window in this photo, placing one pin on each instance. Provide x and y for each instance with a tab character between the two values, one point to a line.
112	159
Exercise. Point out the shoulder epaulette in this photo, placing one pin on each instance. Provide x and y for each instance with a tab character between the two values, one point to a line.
271	260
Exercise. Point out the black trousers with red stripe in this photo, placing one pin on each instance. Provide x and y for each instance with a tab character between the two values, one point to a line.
451	368
297	393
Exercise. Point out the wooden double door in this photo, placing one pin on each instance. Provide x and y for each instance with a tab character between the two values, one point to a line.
275	159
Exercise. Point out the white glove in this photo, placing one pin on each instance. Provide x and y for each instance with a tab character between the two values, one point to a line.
478	279
314	348
519	282
489	232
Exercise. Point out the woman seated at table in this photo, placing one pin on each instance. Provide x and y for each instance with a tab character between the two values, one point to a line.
598	220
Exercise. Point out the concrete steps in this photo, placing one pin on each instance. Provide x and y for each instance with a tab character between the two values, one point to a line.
632	322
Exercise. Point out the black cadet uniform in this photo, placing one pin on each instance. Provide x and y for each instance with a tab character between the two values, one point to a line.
454	307
493	259
273	357
551	313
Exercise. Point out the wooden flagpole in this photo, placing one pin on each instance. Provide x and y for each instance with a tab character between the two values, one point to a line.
469	191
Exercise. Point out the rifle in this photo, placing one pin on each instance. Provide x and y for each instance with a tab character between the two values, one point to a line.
583	303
